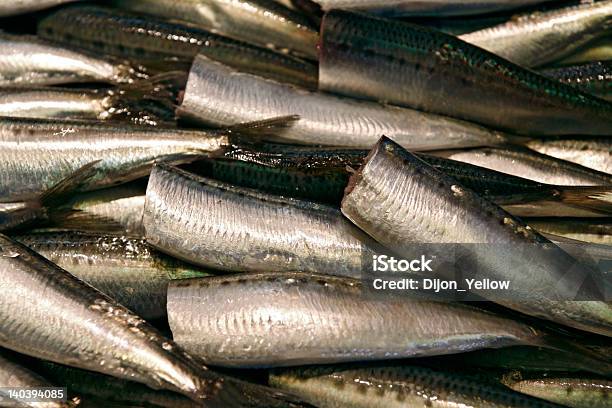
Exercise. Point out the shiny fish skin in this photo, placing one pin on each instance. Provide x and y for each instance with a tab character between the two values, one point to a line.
25	60
588	230
214	91
530	165
263	22
14	7
592	153
105	337
396	386
600	50
594	77
575	392
417	67
37	153
68	103
14	375
124	268
398	199
145	38
218	225
426	7
536	38
281	319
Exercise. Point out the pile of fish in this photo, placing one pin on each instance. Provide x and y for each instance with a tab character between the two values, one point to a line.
192	191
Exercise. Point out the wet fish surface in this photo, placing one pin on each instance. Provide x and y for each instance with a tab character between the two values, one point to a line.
263	22
395	386
145	38
592	153
14	7
124	268
399	200
593	77
26	60
537	38
417	67
37	153
218	225
588	230
214	90
281	319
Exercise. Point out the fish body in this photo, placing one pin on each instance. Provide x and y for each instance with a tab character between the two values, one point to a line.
600	50
588	230
124	268
37	153
396	386
397	8
99	104
14	7
218	225
592	153
25	60
408	65
575	392
399	200
146	39
531	165
262	22
593	77
537	38
282	319
214	91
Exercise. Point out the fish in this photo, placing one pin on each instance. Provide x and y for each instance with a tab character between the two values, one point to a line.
575	392
600	50
263	22
27	61
147	39
596	255
37	153
124	268
12	8
395	385
592	153
286	319
217	225
594	77
16	376
534	39
214	91
404	64
129	104
321	174
587	230
398	8
105	337
532	165
97	386
398	200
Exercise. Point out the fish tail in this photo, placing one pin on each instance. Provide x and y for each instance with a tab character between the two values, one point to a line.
58	192
594	198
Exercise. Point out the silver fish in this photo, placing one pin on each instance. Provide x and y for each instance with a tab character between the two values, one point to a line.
575	392
594	77
37	153
263	22
534	39
426	7
587	230
530	165
282	319
26	60
398	199
417	67
120	104
600	50
104	336
14	7
214	91
592	153
396	386
218	225
124	268
16	376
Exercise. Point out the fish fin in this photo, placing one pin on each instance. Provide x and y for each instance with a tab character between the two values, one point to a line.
594	198
58	192
260	128
73	219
